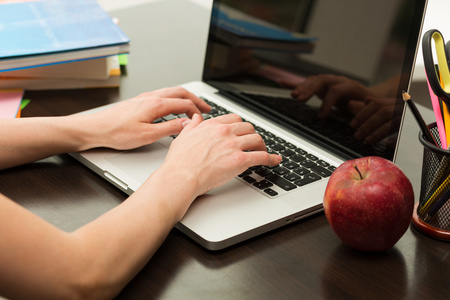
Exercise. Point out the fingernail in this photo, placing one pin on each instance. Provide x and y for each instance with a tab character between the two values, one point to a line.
184	123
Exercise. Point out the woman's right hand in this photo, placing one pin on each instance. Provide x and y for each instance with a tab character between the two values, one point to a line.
208	154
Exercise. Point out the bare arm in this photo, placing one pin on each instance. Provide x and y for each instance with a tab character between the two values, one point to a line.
124	126
99	259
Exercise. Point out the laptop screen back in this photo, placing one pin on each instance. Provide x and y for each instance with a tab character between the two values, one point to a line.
349	59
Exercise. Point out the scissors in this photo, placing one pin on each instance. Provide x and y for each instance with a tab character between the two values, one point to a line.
439	82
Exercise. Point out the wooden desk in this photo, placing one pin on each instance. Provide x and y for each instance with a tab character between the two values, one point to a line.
301	261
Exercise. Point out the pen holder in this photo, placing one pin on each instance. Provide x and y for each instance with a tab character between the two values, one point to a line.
432	213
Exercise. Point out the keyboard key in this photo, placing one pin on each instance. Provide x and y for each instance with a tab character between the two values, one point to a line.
286	152
279	140
277	147
289	145
270	192
269	142
308	164
270	134
263	184
323	163
292	176
263	172
311	157
307	179
245	173
281	170
291	165
297	158
300	151
259	129
249	179
255	168
321	171
281	182
302	171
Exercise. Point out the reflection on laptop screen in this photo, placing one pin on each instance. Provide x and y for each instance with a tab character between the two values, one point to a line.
353	55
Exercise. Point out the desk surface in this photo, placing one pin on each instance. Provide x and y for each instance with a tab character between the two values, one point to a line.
303	260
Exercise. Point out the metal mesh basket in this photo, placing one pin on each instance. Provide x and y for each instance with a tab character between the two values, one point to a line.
432	212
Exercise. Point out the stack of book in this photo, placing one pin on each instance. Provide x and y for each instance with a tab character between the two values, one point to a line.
59	44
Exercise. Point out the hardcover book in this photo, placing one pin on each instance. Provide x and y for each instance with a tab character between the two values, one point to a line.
43	32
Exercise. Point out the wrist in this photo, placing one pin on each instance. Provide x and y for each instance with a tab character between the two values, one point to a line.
176	188
83	131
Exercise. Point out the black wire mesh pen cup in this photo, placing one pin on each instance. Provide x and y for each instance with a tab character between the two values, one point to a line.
432	211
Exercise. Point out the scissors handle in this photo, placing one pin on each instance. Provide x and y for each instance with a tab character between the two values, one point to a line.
447	52
443	54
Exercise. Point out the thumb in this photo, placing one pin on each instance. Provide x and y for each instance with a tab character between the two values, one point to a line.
189	124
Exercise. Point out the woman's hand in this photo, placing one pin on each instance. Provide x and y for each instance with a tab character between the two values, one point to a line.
130	125
126	125
207	154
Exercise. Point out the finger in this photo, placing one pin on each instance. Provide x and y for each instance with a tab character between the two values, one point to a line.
165	106
227	119
195	121
179	92
242	128
252	142
172	127
199	102
262	158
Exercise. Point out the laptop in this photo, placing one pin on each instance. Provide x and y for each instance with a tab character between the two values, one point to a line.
368	44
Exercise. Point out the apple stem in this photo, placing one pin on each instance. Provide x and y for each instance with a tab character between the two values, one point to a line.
359	172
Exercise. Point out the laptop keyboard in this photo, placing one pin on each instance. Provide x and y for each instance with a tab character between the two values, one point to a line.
297	168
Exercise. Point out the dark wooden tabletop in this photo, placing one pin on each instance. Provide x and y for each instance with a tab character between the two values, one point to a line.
304	260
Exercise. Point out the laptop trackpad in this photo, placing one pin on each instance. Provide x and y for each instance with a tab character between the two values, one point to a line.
140	163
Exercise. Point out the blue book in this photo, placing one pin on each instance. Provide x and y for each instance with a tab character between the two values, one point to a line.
43	32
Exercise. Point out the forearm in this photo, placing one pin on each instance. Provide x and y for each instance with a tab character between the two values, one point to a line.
29	139
97	260
122	241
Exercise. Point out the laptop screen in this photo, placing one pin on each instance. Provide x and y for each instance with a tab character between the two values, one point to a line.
331	71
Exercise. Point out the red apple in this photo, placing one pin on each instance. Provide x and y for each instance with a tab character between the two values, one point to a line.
369	203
